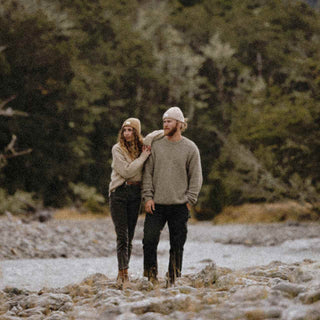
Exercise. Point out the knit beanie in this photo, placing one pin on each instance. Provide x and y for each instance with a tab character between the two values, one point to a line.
174	113
134	123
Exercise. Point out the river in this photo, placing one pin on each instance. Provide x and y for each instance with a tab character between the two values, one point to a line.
200	249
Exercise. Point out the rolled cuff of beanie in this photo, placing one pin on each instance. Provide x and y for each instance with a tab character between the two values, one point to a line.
174	113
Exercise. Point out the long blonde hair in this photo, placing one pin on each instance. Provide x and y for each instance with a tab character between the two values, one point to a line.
134	148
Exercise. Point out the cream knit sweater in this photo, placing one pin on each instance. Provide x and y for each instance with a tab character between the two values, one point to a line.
173	173
124	168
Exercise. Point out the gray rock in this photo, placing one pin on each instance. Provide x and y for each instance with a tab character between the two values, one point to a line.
145	285
32	312
86	313
56	315
302	312
251	293
207	277
127	316
187	290
310	297
291	289
50	301
154	316
262	313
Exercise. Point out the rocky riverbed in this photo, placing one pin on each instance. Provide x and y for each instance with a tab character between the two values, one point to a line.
96	238
276	290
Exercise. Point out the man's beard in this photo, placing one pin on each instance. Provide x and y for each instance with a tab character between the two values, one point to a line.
172	131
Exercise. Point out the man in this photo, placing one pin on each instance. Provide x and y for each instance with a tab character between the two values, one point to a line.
172	180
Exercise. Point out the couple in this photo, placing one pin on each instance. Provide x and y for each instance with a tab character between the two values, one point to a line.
168	177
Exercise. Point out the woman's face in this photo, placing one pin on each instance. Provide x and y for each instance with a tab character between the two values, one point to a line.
128	133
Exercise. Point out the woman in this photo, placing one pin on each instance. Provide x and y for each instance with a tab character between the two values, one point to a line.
128	157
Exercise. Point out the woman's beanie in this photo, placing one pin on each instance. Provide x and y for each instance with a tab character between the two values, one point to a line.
134	123
174	113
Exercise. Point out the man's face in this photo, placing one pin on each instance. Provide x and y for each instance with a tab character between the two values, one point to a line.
128	133
170	127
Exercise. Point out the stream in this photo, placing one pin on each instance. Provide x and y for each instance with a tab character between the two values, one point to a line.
34	274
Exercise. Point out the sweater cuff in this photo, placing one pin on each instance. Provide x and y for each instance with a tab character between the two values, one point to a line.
157	134
191	200
147	198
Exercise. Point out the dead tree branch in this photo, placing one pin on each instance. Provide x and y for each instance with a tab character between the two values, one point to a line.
10	151
9	112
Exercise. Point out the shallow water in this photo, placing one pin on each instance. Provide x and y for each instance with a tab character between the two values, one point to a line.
38	273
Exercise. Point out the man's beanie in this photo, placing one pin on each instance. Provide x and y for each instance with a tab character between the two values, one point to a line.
134	123
174	113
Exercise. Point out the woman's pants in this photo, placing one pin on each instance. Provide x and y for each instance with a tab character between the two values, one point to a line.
177	217
125	204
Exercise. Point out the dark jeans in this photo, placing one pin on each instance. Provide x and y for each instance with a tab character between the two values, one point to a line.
177	217
125	204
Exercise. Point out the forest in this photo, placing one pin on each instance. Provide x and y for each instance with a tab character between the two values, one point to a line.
246	73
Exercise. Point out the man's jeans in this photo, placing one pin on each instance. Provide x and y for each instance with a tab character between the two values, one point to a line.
125	204
177	217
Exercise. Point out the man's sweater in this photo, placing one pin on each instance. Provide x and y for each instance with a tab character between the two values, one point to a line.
172	174
124	168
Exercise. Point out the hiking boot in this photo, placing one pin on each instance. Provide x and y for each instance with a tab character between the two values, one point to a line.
170	280
123	277
154	280
152	276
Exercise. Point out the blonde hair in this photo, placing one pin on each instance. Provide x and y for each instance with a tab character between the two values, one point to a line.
134	148
184	125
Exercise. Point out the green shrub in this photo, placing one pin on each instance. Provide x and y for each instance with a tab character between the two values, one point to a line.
87	198
19	203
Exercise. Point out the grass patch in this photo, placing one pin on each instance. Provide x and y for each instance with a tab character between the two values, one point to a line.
73	214
267	213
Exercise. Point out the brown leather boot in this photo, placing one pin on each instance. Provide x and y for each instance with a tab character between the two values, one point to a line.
123	277
120	276
152	276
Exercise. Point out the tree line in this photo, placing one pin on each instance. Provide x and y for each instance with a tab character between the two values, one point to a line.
246	74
